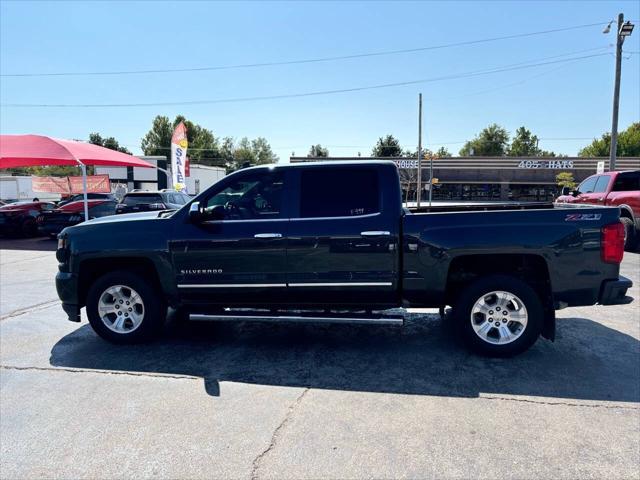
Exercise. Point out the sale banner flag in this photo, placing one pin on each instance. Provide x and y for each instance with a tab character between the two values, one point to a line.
179	144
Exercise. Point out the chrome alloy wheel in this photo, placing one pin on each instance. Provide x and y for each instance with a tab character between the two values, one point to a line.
121	309
499	317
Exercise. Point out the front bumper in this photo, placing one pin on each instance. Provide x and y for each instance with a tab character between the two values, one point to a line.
51	229
67	287
614	292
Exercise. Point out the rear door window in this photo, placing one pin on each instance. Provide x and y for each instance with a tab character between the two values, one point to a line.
627	182
141	199
339	192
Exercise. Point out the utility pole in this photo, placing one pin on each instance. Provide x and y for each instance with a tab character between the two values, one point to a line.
616	95
419	189
430	177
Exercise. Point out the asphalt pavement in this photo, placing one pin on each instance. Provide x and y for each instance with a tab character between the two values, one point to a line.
254	401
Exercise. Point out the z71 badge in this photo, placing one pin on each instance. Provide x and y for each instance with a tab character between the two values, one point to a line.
582	217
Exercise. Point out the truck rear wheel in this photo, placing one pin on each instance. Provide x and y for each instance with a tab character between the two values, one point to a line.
499	316
124	308
630	234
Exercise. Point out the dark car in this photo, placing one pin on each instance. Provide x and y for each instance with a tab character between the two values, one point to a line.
332	242
54	221
90	196
19	218
147	200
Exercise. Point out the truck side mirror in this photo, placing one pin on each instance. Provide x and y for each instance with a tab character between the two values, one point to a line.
195	212
198	214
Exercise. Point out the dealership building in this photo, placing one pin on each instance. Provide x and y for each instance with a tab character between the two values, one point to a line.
492	178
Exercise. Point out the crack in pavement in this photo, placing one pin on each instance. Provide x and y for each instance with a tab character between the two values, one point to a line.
102	372
255	465
566	404
32	308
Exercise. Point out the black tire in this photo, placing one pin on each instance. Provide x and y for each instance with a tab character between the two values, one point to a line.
630	234
463	308
154	309
29	227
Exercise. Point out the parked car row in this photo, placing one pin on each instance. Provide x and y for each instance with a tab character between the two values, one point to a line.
30	218
615	189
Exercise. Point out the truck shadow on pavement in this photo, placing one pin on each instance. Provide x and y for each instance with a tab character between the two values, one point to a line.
589	361
44	244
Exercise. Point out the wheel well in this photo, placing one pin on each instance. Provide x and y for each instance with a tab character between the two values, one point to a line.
92	269
532	269
626	212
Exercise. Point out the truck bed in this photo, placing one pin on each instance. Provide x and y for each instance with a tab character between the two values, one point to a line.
476	206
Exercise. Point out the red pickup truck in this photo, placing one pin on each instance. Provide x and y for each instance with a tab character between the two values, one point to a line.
620	189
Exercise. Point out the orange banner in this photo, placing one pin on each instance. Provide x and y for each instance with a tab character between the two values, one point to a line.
71	185
50	184
95	184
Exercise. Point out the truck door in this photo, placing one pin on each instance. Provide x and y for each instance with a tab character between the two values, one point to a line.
342	246
600	190
239	259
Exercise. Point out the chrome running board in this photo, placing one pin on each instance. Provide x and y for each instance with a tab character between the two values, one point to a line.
285	318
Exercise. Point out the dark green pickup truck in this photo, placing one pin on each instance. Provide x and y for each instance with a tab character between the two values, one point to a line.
332	242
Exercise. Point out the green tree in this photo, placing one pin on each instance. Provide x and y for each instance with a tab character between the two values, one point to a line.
628	144
565	179
245	151
157	141
318	151
524	144
203	146
492	141
442	152
108	142
388	146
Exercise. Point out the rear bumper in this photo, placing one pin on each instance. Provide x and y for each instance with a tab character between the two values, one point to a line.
614	292
67	287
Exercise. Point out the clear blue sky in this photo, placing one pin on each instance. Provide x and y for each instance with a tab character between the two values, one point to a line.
554	101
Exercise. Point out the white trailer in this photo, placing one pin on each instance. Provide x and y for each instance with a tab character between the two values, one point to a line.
18	188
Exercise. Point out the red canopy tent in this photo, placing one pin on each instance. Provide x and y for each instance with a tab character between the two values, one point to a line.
38	150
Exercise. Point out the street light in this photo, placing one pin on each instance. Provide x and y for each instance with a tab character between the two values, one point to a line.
624	30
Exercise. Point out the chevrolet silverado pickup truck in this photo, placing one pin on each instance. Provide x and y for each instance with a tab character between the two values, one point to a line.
331	241
619	189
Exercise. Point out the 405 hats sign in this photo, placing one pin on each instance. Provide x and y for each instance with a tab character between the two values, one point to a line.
179	144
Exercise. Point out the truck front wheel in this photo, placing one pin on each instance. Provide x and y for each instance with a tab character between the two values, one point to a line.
124	308
499	316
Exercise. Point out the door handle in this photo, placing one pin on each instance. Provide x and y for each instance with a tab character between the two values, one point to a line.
375	233
267	235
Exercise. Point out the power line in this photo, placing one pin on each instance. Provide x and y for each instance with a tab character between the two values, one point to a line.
303	61
282	147
512	67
